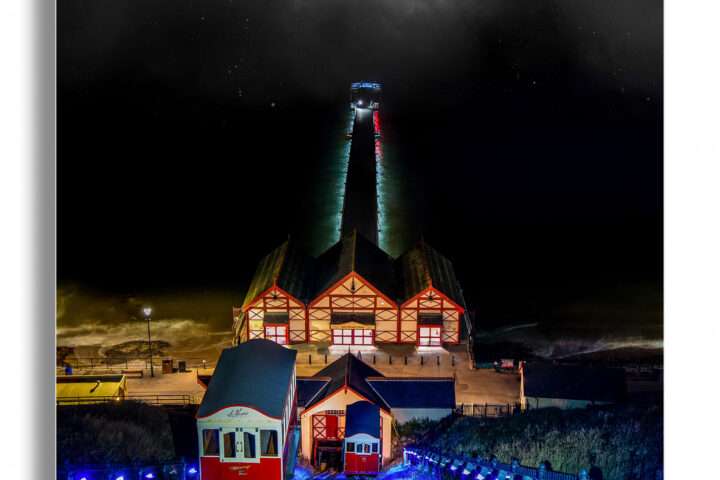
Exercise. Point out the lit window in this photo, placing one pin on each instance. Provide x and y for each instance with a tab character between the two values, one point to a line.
276	333
367	448
350	447
210	443
430	336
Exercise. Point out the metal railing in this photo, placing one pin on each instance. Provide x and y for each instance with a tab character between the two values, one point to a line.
380	358
437	462
127	363
149	399
487	409
110	471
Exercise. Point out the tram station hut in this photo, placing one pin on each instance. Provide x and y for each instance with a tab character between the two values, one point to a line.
325	398
570	386
353	294
275	304
78	389
362	439
429	297
413	398
246	420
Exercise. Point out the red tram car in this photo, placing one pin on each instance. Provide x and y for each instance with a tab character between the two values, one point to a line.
362	449
246	419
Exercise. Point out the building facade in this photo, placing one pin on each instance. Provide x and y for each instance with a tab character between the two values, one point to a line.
352	294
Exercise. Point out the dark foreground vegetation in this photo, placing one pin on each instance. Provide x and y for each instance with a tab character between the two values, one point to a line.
612	443
124	432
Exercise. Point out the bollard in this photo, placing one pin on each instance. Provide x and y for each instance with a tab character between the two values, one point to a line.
360	355
310	358
126	364
438	359
390	356
405	359
453	360
373	359
326	359
91	363
422	359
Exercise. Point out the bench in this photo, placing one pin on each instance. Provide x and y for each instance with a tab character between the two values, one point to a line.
132	372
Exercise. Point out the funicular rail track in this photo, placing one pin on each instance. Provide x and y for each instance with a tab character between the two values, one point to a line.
325	476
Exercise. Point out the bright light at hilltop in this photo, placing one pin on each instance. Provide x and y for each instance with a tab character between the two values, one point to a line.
147	311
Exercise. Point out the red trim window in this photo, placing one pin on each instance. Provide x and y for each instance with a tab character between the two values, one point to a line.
430	335
352	337
277	333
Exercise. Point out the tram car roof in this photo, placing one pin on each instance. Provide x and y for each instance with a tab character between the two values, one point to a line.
255	374
362	417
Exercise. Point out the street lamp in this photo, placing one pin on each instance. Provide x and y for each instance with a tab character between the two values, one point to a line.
147	311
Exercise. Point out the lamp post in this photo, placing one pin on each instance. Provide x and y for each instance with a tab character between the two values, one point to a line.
147	311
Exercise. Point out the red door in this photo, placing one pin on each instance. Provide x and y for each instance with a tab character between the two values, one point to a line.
331	425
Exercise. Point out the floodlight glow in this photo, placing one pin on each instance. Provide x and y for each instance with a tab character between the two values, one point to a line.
120	478
192	470
480	477
149	475
147	311
83	478
453	467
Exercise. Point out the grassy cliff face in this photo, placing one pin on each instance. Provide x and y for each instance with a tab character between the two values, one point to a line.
113	432
614	443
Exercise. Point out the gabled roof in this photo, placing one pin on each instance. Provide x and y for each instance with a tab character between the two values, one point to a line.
415	392
287	267
355	253
308	388
351	371
362	417
574	382
422	267
255	374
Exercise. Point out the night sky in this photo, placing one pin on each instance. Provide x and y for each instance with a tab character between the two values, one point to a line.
527	138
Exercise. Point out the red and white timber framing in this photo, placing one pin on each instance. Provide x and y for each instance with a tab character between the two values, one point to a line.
353	294
277	300
430	301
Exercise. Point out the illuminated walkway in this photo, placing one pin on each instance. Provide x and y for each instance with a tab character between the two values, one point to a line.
360	209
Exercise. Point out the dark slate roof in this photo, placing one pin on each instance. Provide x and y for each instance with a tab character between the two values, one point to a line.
289	268
352	371
343	318
415	392
271	318
362	417
574	382
430	319
308	387
421	267
355	253
256	373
